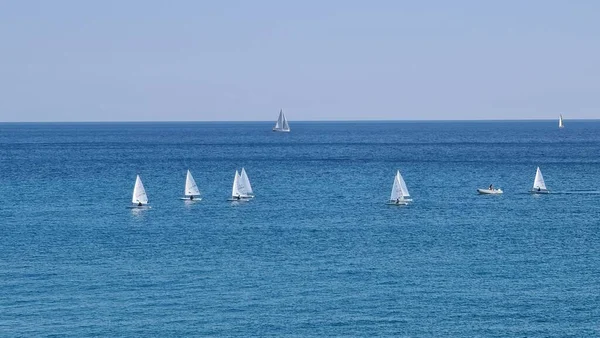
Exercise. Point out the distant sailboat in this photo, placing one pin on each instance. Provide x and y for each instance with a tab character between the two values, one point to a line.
241	190
400	195
539	186
282	123
560	121
191	191
139	198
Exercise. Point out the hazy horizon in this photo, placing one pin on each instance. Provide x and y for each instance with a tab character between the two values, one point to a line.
315	120
112	61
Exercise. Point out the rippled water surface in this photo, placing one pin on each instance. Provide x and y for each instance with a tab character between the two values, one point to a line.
317	252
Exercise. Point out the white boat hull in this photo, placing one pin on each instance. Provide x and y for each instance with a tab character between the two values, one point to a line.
490	191
540	191
189	199
242	198
139	207
281	130
401	202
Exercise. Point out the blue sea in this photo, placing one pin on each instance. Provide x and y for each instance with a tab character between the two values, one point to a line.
317	252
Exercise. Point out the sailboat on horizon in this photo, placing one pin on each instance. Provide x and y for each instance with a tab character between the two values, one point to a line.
191	191
139	198
399	195
282	123
539	186
560	121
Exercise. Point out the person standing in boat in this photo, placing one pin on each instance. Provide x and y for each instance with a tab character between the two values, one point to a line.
491	187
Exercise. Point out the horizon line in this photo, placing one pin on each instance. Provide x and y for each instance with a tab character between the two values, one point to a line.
293	121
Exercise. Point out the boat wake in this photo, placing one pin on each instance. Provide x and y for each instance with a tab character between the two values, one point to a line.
583	192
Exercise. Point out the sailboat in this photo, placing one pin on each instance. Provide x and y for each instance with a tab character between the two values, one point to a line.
235	191
539	186
241	190
400	195
139	199
560	121
247	188
191	191
282	123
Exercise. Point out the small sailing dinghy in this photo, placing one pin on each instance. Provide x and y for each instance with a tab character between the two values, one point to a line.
247	188
139	199
539	186
560	121
191	191
400	195
241	190
282	123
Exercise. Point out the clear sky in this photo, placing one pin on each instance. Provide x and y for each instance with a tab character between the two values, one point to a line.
244	60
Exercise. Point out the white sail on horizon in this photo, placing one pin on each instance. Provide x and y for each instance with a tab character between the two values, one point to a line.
282	123
139	193
538	182
279	122
285	122
560	121
191	189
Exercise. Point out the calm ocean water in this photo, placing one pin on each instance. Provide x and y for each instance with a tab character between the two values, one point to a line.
317	252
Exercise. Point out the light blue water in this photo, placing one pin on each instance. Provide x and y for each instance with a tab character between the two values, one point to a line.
317	252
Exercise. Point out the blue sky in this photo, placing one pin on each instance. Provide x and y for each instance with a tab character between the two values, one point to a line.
244	60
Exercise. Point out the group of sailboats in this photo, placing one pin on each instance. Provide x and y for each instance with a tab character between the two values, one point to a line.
242	190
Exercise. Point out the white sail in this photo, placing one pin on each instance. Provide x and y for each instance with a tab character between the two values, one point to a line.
538	183
191	189
235	190
396	190
285	126
279	122
403	187
139	193
282	123
245	181
399	193
560	121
